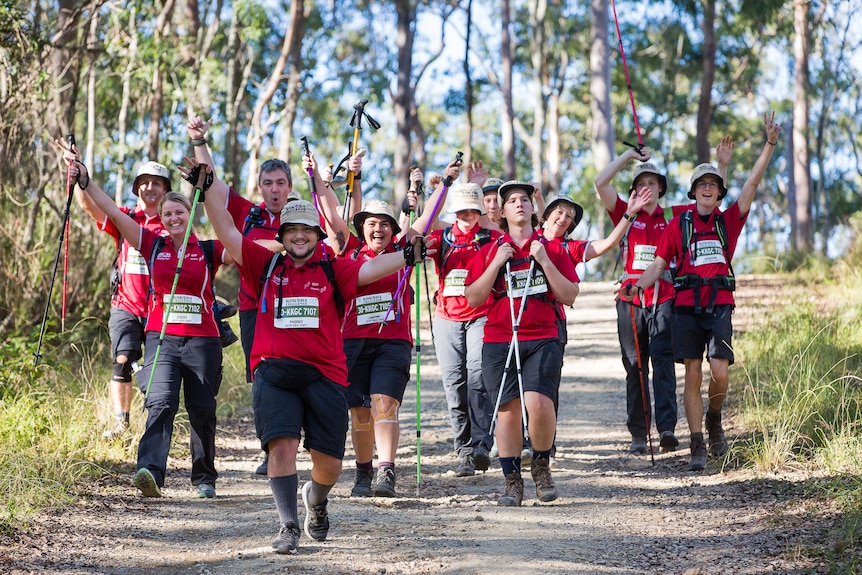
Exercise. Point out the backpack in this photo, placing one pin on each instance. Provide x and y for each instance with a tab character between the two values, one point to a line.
226	334
481	238
694	281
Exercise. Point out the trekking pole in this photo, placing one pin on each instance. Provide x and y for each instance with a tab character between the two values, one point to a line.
418	379
514	348
70	186
447	181
628	81
192	177
310	172
356	123
643	384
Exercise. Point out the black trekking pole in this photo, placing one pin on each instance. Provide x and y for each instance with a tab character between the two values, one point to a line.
646	403
70	186
355	123
310	174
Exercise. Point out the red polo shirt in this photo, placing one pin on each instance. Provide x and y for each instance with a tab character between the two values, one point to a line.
539	319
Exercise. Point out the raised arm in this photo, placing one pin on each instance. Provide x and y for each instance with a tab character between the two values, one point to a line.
538	198
773	132
723	153
387	264
437	199
478	291
221	220
330	208
128	227
81	197
600	247
602	184
198	129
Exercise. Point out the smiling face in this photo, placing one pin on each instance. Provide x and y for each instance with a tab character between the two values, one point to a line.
151	189
175	217
466	219
707	192
274	186
299	241
559	221
377	232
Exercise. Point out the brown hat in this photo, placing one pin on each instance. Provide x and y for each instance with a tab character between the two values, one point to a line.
300	212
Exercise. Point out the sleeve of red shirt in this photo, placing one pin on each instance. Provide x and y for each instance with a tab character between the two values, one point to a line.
238	207
671	241
346	273
564	264
255	262
619	209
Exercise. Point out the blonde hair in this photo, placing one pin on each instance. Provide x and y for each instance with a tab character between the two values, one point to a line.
175	197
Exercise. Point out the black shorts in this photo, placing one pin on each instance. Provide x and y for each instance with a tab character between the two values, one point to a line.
291	396
541	362
692	333
376	366
127	334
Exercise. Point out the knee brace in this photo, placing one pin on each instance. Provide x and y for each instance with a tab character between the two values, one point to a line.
360	425
122	372
379	411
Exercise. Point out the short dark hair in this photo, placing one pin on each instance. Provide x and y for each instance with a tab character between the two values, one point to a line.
272	165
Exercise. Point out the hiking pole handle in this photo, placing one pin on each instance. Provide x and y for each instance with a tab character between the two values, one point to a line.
310	173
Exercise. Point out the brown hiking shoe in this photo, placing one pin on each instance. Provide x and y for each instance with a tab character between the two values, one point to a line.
698	455
514	491
717	441
545	488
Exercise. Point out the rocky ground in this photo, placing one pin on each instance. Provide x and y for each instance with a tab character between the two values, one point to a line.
617	513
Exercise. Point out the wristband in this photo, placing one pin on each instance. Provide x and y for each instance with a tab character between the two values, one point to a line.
357	176
629	218
198	141
770	143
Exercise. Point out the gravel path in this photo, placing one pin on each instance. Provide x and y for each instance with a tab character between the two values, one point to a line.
617	513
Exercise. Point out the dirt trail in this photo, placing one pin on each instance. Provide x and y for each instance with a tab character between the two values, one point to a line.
617	513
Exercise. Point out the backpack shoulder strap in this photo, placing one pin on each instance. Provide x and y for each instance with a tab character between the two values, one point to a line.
326	265
264	280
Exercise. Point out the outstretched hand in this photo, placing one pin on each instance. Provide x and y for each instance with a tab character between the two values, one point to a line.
724	151
198	128
627	293
72	156
200	176
638	199
773	130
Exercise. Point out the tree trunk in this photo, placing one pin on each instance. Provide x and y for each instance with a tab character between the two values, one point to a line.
600	86
230	170
468	88
157	95
65	68
704	106
293	82
258	129
92	39
538	9
131	59
554	177
507	130
403	101
802	240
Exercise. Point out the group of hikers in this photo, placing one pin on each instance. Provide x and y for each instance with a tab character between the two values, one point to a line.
326	325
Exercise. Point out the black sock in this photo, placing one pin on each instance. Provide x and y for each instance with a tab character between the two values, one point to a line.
284	492
318	492
366	465
697	435
510	465
546	455
714	414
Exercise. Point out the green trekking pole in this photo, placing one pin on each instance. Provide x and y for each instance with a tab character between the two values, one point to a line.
418	378
192	177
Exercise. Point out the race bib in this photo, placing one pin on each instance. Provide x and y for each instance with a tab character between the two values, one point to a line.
538	285
185	309
453	283
297	312
708	252
372	308
135	263
644	255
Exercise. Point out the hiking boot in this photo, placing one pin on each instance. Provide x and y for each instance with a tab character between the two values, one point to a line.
481	458
638	446
316	517
362	483
466	467
385	484
287	540
545	488
717	440
698	455
206	490
120	428
146	483
263	468
513	492
552	463
668	441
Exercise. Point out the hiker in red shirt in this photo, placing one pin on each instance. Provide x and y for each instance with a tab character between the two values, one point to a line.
540	354
703	240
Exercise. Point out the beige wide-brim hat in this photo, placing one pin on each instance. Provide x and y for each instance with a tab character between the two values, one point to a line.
375	208
465	196
649	168
507	188
152	169
703	170
300	212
